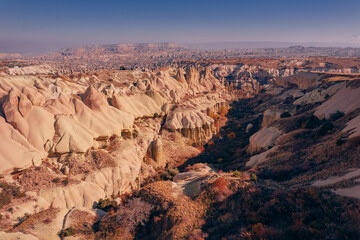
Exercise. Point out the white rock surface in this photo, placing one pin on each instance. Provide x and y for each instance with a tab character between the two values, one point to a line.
353	127
17	236
345	100
263	139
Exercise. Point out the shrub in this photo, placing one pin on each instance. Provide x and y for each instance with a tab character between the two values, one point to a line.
123	68
336	116
123	223
223	111
56	180
106	204
221	189
231	135
340	141
173	171
24	218
67	232
236	174
65	181
156	115
254	177
169	174
311	122
164	176
135	212
197	234
324	129
285	115
8	193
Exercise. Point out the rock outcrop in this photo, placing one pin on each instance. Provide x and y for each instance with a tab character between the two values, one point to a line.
156	152
93	99
345	100
190	123
263	139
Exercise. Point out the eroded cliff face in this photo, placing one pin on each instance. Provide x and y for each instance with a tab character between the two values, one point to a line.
68	141
100	134
74	140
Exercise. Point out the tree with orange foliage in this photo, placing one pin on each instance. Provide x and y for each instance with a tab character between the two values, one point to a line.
223	111
231	87
217	125
231	135
221	188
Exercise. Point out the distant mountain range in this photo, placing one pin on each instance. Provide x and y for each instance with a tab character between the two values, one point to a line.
30	48
263	44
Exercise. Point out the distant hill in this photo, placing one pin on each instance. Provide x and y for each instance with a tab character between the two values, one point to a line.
262	44
6	56
121	48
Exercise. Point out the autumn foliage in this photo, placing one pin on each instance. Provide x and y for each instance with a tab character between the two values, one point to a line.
223	111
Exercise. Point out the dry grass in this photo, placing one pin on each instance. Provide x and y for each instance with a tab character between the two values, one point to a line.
36	178
44	217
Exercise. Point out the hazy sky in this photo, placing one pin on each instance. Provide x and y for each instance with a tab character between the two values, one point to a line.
51	24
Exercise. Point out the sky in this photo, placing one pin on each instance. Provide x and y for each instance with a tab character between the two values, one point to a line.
47	25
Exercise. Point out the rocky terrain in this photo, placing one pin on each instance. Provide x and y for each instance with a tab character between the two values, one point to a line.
153	56
200	149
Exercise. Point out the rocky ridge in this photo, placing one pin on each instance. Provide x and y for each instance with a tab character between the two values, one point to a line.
71	140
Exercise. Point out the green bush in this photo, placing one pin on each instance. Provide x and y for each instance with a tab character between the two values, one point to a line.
173	171
67	232
65	181
56	180
237	174
169	174
105	204
254	177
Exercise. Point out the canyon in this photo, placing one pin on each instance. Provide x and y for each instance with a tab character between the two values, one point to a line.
178	149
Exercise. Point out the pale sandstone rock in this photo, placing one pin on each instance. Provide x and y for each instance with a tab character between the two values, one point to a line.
139	105
259	158
105	122
140	85
25	105
271	115
345	100
180	76
36	118
74	137
191	123
93	99
318	94
249	127
353	127
156	152
15	150
263	139
17	236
